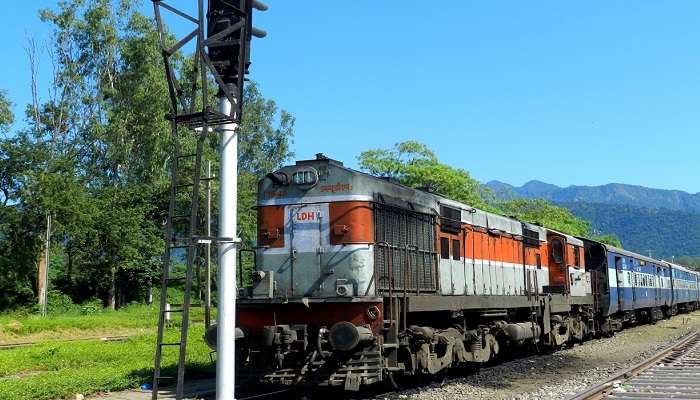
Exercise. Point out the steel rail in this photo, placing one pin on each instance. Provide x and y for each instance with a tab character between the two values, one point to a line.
606	389
9	346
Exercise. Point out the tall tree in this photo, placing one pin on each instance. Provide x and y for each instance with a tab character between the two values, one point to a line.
689	262
7	117
545	213
610	239
415	165
95	156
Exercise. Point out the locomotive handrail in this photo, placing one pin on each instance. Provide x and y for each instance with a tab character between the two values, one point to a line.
405	281
240	263
391	292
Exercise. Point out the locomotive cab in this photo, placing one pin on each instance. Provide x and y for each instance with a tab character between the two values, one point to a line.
567	272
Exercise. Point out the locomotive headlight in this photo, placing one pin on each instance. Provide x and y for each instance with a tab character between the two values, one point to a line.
306	177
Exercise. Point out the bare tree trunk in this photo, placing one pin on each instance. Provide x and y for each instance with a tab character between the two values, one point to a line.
43	282
112	301
40	282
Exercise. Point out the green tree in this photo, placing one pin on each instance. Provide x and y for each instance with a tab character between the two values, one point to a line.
689	262
265	137
610	239
415	165
546	214
7	117
95	157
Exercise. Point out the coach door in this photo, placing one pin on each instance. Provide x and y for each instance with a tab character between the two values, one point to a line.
557	263
657	285
307	223
620	273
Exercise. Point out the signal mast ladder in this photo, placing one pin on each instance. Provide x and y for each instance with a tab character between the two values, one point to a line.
190	244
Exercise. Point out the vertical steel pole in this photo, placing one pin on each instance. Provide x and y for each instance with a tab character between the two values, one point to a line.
207	267
226	326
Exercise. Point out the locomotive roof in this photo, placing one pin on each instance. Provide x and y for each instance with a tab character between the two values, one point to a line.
365	186
469	214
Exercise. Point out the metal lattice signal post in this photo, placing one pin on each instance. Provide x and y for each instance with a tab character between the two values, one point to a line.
222	51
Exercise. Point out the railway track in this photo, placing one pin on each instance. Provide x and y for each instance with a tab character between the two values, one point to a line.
673	373
9	346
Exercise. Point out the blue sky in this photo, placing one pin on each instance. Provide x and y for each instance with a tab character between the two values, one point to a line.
579	93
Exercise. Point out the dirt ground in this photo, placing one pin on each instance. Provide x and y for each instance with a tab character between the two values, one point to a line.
195	389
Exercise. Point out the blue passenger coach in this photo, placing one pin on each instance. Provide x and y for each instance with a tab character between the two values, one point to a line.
684	287
629	287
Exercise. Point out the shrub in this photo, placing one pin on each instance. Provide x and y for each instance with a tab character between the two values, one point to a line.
92	306
59	303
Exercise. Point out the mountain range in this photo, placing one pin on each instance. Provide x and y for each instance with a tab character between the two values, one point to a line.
612	193
665	223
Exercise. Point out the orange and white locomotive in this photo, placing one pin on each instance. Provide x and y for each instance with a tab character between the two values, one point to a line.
359	279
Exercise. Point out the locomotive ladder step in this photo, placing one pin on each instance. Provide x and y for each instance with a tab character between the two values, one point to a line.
191	305
180	310
187	155
180	216
171	344
177	279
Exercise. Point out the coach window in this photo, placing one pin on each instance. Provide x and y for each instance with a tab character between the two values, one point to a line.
445	248
456	250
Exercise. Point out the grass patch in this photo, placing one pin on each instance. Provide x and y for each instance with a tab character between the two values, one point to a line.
133	316
53	369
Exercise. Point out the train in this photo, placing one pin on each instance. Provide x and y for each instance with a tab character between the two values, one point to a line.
360	280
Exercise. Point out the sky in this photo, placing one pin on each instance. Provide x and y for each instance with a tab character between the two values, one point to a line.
582	93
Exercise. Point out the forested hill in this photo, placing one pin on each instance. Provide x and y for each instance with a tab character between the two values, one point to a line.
666	233
613	193
665	222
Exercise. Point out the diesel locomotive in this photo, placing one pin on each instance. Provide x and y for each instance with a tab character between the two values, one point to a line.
359	279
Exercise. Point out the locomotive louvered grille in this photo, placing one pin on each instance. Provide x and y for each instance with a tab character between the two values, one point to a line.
405	257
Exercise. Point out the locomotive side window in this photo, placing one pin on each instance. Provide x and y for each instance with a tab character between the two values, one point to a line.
558	251
445	248
456	253
538	260
577	256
